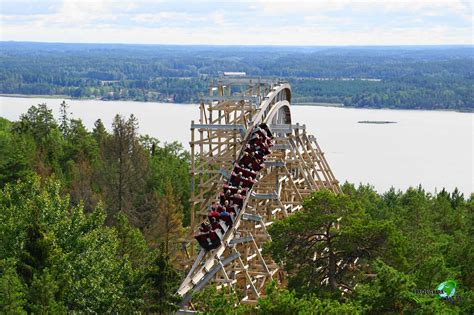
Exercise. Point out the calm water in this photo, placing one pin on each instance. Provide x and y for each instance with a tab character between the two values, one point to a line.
431	148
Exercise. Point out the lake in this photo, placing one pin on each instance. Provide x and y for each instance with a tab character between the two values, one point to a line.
431	148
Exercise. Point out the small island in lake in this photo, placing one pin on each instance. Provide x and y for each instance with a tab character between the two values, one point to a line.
376	122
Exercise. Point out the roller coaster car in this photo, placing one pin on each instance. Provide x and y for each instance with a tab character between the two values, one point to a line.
236	179
258	155
264	148
234	189
246	160
208	241
260	141
213	216
211	239
246	172
238	200
225	216
223	197
232	209
267	130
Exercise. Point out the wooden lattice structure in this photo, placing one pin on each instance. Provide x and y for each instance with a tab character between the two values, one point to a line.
295	168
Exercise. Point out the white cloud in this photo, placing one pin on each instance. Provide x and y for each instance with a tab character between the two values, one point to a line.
335	22
160	17
300	35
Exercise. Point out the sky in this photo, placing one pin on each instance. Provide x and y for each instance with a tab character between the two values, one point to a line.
256	22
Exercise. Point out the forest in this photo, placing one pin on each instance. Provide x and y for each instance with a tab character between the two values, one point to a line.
406	77
92	221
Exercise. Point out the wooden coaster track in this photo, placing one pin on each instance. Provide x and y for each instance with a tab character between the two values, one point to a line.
295	168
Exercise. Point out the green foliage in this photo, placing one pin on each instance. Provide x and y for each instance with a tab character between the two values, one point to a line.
405	77
275	302
282	301
63	250
67	259
16	153
414	239
390	292
320	245
12	290
210	301
58	253
170	164
163	282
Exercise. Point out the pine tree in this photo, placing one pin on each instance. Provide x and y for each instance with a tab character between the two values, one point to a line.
324	245
99	132
163	281
12	295
64	118
167	228
124	172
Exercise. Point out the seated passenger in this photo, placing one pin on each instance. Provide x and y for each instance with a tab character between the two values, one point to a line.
215	241
236	179
204	240
232	208
212	206
238	199
249	148
258	141
246	172
226	206
216	225
245	159
204	228
255	166
258	131
225	216
248	183
213	216
259	156
230	190
264	149
267	130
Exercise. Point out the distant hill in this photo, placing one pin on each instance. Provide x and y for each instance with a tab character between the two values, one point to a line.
412	77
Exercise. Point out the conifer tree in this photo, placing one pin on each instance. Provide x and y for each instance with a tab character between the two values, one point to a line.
163	281
167	227
124	172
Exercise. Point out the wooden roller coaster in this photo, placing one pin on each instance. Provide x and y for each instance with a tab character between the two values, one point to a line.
296	167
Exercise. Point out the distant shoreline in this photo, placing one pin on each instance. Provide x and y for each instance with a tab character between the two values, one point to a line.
40	96
336	105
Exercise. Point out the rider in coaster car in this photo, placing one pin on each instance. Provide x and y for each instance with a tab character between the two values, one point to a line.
259	131
246	172
213	206
216	225
226	206
263	149
238	199
267	130
204	228
245	159
225	216
234	179
213	216
232	208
